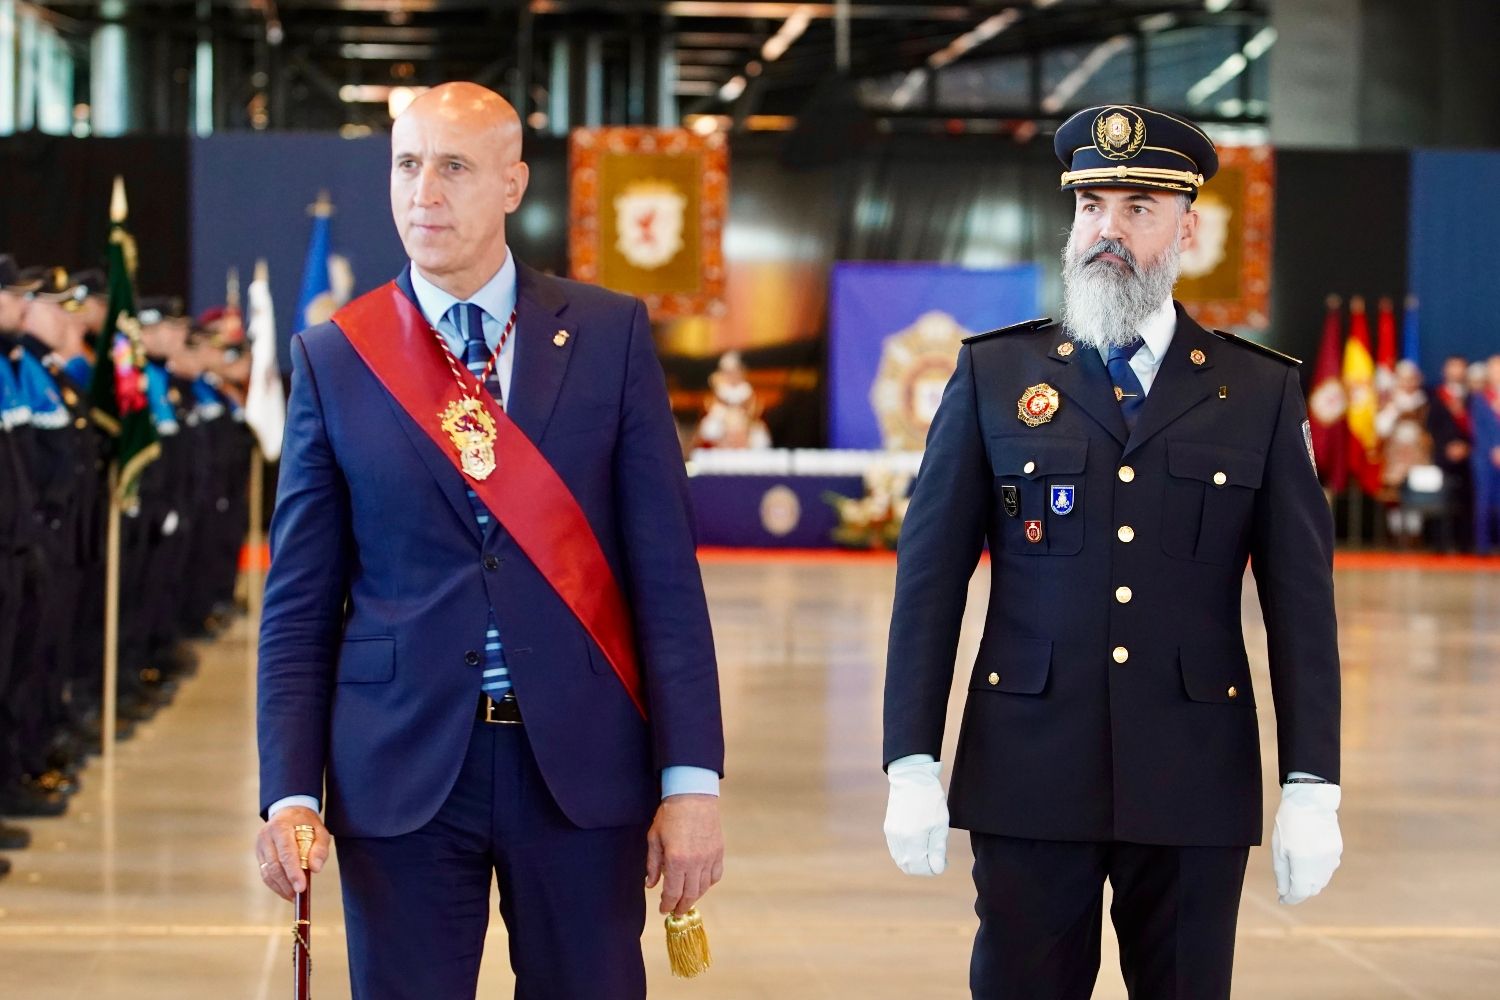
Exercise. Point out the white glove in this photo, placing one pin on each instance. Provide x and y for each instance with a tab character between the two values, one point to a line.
916	817
1305	843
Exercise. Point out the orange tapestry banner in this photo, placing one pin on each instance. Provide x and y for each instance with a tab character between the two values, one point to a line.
1226	278
647	219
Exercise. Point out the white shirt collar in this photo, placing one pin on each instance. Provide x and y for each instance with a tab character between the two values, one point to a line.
1157	331
497	297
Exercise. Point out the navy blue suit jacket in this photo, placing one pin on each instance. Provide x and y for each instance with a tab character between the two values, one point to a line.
381	583
1111	696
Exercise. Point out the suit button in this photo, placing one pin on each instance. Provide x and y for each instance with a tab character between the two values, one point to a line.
1233	692
1220	479
491	563
471	658
1121	654
1029	468
1126	473
1123	595
1126	533
994	679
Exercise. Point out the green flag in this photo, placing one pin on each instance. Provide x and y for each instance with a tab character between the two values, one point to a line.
118	390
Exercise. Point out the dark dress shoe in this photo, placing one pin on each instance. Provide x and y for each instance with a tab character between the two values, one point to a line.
14	838
25	800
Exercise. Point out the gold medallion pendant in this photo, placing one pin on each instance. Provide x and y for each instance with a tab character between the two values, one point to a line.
472	430
1037	405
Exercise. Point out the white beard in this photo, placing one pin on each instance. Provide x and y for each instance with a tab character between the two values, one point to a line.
1105	306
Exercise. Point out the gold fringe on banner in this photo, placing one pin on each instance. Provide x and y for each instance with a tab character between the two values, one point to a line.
687	945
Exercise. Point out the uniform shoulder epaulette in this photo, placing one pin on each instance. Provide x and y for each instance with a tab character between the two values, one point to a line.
1026	327
1258	348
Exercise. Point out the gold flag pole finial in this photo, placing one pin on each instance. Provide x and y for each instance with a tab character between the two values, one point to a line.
262	272
232	288
687	944
119	210
323	207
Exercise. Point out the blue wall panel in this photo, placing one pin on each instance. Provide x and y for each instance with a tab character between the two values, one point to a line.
1454	260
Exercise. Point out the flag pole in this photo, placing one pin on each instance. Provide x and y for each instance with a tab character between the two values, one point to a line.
254	572
111	621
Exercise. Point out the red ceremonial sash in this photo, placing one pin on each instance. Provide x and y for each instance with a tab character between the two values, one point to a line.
524	493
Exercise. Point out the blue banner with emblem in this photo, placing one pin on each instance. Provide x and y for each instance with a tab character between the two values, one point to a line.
894	333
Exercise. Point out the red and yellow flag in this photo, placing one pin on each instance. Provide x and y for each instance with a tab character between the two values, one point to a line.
1359	385
1328	436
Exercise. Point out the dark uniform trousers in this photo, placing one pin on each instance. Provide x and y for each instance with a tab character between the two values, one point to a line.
1174	913
1111	729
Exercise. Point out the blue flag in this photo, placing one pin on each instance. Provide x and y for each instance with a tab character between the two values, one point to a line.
315	305
1409	348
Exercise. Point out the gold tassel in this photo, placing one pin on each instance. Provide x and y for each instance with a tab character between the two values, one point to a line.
687	944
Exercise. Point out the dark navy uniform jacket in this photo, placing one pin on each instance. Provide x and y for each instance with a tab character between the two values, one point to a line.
1111	697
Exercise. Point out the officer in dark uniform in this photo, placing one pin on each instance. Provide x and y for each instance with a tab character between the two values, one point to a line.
1123	467
16	501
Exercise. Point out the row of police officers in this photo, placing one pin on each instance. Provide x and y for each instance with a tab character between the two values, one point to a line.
180	535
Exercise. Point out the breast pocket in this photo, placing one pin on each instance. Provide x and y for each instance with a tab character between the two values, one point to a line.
1210	493
1039	491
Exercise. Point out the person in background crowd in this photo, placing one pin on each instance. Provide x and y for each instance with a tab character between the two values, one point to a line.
1452	440
1484	415
1402	427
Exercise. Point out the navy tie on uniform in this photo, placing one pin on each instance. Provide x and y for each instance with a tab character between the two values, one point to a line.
1128	389
468	319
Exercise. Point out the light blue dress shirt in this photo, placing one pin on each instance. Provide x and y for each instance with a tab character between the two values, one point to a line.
497	297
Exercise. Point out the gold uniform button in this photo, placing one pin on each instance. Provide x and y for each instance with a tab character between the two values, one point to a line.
1220	479
1234	692
1126	533
1126	474
1121	654
994	679
1029	468
1123	595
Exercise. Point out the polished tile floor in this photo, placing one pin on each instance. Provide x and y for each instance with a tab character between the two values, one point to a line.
147	889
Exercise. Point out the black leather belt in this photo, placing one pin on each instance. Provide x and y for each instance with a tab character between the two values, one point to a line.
504	712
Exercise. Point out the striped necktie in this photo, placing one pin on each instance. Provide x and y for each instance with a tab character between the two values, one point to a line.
468	320
1129	392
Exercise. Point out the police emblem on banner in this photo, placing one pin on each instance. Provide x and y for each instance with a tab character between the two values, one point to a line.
1062	499
915	366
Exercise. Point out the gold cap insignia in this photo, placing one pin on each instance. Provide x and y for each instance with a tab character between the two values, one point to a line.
1119	133
1037	405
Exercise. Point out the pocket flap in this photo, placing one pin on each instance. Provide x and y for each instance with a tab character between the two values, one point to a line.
367	661
1014	454
1217	674
1015	665
1214	464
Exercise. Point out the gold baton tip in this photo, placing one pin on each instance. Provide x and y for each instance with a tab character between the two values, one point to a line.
305	835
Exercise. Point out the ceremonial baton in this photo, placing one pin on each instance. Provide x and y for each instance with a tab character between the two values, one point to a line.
302	925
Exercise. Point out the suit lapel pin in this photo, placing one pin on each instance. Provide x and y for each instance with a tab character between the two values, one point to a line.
1065	348
1223	392
1197	357
561	338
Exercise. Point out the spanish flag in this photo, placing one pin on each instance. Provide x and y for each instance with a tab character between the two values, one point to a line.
1359	385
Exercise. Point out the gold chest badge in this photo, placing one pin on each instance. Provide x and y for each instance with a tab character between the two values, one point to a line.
1037	405
472	431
